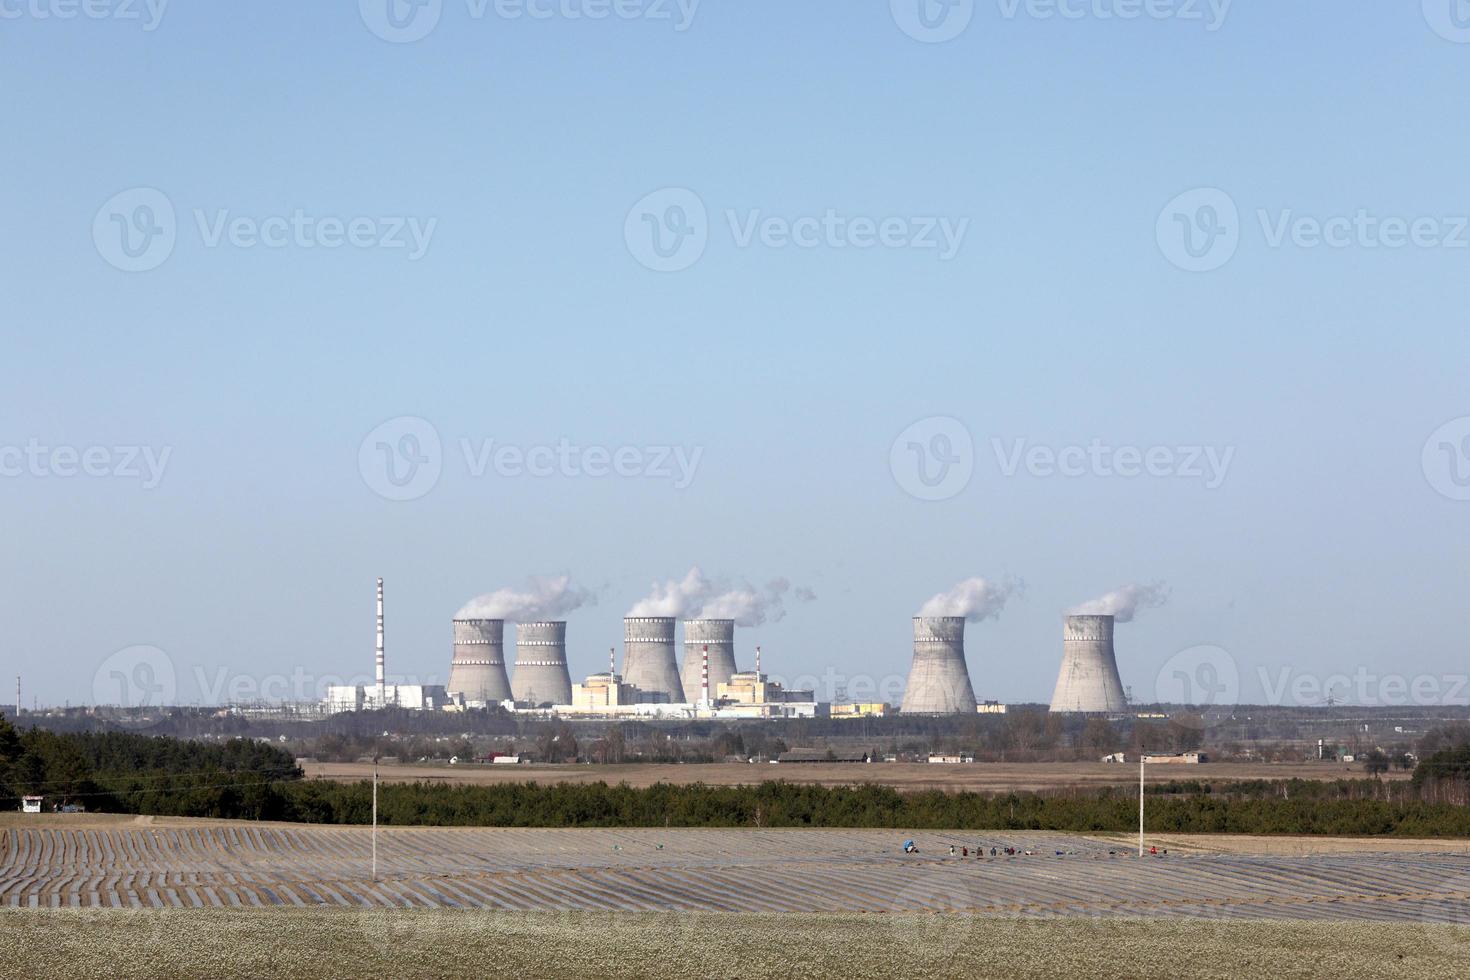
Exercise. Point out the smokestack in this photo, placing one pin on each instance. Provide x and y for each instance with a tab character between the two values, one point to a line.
719	636
382	667
541	673
478	670
1088	680
649	660
939	681
704	677
757	662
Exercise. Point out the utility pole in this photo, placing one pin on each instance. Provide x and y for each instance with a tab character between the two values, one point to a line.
375	820
1140	804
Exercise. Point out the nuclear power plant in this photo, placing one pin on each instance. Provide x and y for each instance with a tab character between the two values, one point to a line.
541	675
709	684
719	636
1088	681
477	672
649	657
939	680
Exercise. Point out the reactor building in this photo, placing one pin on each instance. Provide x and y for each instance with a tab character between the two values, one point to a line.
939	681
541	675
1088	681
719	636
477	673
650	662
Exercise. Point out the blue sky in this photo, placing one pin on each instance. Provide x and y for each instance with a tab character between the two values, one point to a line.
1333	543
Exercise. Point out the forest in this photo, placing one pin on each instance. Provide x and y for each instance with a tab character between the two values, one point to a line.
124	772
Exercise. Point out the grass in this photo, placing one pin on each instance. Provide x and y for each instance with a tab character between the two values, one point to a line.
327	943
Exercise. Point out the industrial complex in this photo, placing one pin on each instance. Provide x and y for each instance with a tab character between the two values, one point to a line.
709	683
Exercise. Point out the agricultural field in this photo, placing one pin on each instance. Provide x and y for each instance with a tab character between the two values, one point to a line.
986	777
184	897
153	863
324	944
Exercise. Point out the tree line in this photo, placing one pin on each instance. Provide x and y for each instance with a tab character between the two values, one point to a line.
125	772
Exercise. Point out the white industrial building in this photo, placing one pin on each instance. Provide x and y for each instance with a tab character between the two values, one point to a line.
414	697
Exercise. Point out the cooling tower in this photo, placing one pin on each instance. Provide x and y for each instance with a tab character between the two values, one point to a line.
649	660
719	636
478	670
541	673
939	681
1088	680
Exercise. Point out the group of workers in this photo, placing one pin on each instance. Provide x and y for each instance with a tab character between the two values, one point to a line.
909	847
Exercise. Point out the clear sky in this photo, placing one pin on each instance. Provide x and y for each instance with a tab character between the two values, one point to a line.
143	315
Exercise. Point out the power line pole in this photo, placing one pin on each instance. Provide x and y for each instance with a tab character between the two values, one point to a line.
1140	804
375	820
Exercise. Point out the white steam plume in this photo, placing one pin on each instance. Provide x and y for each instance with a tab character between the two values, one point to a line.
674	597
974	598
541	599
697	597
1125	603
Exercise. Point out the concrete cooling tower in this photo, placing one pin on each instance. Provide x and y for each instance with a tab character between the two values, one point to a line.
719	636
541	673
649	659
1088	681
939	681
478	669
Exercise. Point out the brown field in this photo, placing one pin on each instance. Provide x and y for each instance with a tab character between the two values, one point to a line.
983	777
324	944
103	895
155	863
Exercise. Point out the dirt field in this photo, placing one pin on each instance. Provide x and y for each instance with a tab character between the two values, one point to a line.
996	777
331	943
58	862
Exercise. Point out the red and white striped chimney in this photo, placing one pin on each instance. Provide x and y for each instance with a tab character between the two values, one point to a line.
704	677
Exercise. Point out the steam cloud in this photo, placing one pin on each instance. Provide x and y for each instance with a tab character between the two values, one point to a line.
541	599
674	597
1125	603
697	597
974	598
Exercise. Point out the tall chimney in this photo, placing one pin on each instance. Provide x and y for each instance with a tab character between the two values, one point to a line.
382	668
704	678
939	681
1088	680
